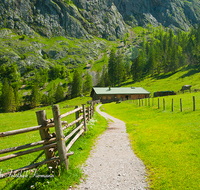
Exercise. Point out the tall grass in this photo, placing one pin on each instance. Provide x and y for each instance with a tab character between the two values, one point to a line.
167	142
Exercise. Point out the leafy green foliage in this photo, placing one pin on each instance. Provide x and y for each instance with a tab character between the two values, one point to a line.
165	52
136	67
10	72
59	94
87	85
8	98
41	76
104	79
116	68
35	96
76	85
57	72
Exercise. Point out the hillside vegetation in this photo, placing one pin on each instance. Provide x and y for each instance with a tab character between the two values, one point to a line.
143	53
155	52
40	66
44	45
169	82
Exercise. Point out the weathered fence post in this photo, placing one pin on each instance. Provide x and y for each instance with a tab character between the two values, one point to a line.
92	108
139	102
77	116
60	138
163	104
88	108
172	105
158	104
193	103
181	105
84	118
45	134
90	111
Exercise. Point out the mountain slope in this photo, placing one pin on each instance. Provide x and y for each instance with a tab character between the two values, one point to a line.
80	19
170	13
101	18
62	18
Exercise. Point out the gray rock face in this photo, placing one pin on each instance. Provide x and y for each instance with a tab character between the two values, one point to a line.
102	18
58	18
175	13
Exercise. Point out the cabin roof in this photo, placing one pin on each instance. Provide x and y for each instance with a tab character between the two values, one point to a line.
117	90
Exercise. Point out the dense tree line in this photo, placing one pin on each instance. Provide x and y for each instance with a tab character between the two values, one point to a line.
35	82
160	52
116	72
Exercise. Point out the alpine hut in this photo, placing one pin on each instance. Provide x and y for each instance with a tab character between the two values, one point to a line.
110	94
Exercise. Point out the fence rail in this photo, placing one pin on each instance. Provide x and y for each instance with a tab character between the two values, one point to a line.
50	142
139	102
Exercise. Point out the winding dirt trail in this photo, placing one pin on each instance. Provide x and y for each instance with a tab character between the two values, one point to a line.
112	164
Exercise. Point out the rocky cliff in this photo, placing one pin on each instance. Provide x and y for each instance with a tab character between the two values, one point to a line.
102	18
63	18
22	20
170	13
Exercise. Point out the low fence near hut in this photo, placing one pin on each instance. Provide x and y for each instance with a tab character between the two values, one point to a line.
51	143
161	103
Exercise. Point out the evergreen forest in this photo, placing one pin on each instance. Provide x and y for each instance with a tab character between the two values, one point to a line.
150	51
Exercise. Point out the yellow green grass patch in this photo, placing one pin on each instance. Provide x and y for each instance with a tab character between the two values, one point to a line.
167	142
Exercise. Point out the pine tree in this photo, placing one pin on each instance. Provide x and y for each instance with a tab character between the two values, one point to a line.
171	38
17	99
127	66
120	70
11	106
112	67
35	96
87	85
174	59
104	79
59	94
151	61
44	100
51	99
136	67
97	78
5	95
76	85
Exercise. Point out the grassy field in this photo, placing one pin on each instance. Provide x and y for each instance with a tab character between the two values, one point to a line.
169	81
167	142
12	121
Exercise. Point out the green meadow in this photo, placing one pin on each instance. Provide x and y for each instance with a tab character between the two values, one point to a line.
81	149
167	142
169	81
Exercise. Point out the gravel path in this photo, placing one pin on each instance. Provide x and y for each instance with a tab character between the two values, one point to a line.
112	164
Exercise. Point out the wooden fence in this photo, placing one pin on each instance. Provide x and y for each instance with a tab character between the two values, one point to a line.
51	143
147	102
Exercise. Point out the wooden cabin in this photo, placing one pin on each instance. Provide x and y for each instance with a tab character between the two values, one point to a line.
111	94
